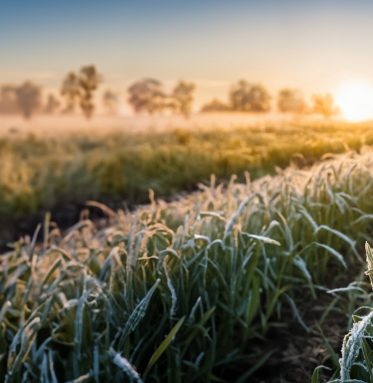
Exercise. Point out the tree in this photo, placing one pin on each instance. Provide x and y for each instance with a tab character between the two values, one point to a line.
290	100
80	88
8	100
89	80
110	101
182	96
52	104
324	104
70	91
147	96
215	105
28	96
246	97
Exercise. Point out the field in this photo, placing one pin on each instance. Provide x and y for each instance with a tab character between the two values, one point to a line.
245	261
186	191
60	169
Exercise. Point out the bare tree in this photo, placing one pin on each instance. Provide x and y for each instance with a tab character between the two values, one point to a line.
147	96
182	96
52	104
290	101
89	80
324	104
110	101
215	105
246	97
28	96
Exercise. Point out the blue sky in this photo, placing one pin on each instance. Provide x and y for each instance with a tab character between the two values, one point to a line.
312	45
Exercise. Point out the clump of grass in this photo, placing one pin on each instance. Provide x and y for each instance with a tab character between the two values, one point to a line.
182	291
356	362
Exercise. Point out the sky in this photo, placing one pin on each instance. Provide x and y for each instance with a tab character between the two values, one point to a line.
309	45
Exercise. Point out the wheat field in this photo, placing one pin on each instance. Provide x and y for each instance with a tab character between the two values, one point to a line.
198	289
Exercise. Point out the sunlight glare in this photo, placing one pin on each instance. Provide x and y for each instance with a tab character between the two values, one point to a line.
355	100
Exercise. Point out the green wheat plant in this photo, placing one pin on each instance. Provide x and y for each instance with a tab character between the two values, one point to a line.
184	291
356	362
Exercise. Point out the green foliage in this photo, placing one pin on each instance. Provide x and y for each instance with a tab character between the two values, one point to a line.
182	291
356	362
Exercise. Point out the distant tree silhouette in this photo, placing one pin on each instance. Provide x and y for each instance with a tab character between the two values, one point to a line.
70	90
89	80
52	104
215	105
182	97
110	101
246	97
28	96
290	101
80	88
8	100
324	104
147	96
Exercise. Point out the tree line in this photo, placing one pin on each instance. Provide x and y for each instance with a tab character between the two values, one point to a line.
250	97
148	95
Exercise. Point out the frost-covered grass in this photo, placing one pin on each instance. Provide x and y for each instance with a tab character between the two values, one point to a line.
185	291
356	362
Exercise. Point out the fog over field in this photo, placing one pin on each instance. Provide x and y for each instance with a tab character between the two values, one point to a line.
103	124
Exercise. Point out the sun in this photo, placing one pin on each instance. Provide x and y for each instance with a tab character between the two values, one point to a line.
355	100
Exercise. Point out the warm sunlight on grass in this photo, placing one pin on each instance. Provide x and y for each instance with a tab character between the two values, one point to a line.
186	191
355	100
